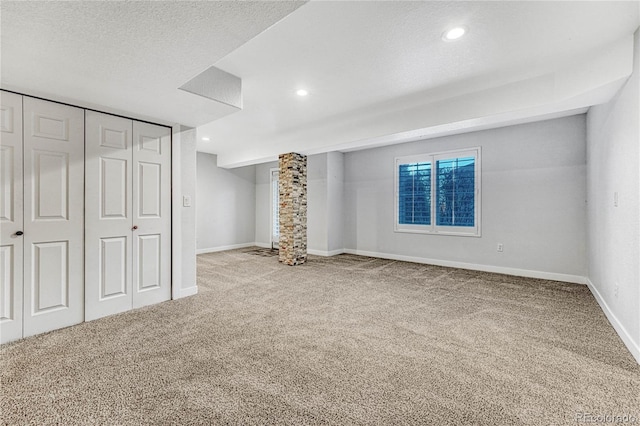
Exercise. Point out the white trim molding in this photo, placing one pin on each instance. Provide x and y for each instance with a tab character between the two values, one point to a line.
576	279
634	347
313	252
224	248
185	292
176	214
325	253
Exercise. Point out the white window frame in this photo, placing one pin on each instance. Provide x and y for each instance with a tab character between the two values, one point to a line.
464	231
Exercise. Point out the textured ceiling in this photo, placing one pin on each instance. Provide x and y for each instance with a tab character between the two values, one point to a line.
127	56
377	72
374	69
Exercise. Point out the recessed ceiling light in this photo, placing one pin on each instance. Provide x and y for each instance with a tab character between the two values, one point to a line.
301	92
453	33
206	139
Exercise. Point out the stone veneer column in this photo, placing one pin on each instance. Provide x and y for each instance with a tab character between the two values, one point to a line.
292	190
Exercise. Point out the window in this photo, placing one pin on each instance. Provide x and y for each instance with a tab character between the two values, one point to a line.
414	193
439	193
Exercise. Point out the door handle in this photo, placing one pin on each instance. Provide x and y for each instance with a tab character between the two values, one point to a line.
18	233
134	227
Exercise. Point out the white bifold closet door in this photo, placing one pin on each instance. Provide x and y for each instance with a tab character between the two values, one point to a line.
128	214
151	214
11	217
53	216
108	215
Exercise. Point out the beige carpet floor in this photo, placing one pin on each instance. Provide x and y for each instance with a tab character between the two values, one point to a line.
341	340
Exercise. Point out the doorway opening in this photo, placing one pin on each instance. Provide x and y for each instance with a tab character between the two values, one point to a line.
275	209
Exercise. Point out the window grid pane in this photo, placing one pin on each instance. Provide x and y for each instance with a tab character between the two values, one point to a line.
414	194
455	192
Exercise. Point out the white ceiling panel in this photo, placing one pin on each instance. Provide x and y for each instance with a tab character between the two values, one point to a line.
377	72
370	66
127	56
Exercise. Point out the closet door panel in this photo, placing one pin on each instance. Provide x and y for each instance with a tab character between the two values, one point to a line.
151	214
11	217
108	234
54	216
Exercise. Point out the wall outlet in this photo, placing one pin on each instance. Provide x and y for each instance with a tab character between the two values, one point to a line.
186	201
500	248
615	199
615	290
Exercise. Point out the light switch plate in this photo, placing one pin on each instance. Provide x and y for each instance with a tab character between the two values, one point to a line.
186	201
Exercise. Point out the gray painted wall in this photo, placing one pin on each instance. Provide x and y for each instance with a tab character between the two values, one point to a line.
614	232
533	199
226	204
317	235
335	201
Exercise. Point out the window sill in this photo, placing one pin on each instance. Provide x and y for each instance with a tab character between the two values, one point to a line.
477	234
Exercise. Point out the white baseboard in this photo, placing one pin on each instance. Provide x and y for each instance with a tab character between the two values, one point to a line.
223	248
184	292
634	347
576	279
325	253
